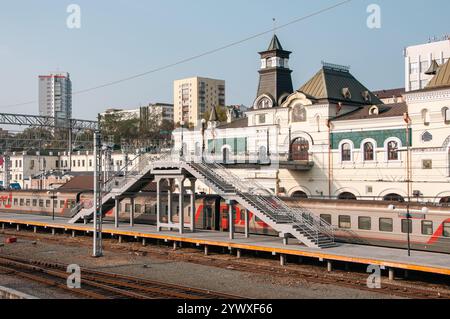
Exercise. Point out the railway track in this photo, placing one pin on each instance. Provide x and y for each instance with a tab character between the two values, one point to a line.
357	280
101	285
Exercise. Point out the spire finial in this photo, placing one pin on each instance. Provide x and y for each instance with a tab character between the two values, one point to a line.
274	25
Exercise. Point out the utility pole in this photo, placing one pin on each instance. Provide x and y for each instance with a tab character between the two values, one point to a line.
97	238
408	179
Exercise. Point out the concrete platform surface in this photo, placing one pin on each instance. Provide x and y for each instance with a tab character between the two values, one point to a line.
368	255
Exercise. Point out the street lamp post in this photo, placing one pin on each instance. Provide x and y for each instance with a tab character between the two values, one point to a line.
203	139
53	198
182	140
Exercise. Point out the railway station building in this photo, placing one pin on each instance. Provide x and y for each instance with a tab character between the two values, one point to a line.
332	137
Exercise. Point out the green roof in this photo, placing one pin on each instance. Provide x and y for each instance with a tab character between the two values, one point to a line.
275	44
336	83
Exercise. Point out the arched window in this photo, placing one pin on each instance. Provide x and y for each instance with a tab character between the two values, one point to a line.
347	196
299	114
262	155
369	154
318	122
445	201
392	150
393	198
426	117
300	149
346	152
225	155
446	115
299	194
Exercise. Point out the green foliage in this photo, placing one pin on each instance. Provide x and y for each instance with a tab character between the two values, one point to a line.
221	113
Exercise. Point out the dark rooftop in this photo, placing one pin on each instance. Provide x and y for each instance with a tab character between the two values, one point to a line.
337	84
386	94
384	111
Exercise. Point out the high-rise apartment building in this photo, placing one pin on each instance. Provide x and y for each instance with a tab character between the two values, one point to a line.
420	61
55	96
194	96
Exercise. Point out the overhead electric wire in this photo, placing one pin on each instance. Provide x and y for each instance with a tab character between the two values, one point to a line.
198	56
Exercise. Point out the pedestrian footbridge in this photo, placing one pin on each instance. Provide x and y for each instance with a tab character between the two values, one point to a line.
286	220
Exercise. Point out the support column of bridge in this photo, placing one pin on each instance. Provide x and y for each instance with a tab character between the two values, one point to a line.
158	203
132	212
170	201
231	203
181	181
116	211
192	221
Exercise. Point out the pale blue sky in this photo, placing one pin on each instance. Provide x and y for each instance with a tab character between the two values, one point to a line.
119	38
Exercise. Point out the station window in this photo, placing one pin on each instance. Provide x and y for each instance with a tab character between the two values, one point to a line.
16	202
137	208
21	202
34	202
147	209
345	222
326	218
364	223
41	203
127	208
386	224
446	230
407	226
61	204
27	203
427	227
47	203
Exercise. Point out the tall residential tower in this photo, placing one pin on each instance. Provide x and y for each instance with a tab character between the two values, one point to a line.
194	96
55	96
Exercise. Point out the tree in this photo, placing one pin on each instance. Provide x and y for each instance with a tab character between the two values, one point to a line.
222	113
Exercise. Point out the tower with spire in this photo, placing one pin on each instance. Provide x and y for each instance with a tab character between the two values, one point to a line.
275	82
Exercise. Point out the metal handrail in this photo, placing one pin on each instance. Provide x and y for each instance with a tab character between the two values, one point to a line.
313	224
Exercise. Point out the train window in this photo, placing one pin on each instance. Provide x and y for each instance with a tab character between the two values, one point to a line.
137	208
16	202
407	226
446	232
326	218
147	209
427	227
127	208
34	202
345	222
47	203
21	202
386	224
27	203
364	223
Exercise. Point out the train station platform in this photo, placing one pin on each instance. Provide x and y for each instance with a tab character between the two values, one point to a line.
389	258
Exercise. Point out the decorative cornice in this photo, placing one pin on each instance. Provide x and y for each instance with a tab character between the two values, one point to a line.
426	96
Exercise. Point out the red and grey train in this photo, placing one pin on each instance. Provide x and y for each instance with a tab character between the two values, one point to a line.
367	223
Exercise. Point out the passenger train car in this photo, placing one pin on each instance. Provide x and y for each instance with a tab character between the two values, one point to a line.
360	222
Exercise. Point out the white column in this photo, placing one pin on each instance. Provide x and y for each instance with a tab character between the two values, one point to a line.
181	205
158	204
169	200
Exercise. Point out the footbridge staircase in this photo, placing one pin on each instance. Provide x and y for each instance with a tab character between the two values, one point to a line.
287	220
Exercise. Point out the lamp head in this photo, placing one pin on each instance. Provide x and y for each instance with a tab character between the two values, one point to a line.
391	207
